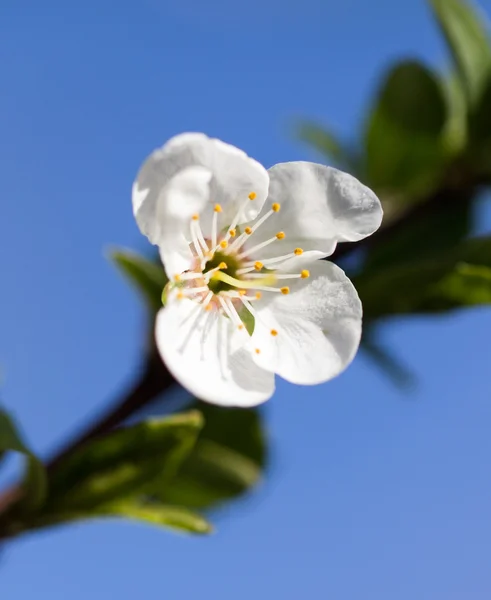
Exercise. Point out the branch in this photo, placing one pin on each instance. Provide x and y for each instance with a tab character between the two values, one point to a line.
156	379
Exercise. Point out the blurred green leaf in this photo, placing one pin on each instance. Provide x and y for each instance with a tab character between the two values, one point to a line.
466	285
441	229
480	134
466	35
455	133
403	140
172	517
147	276
228	459
438	283
122	464
328	145
34	482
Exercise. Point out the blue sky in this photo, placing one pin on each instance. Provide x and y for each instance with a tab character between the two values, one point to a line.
373	494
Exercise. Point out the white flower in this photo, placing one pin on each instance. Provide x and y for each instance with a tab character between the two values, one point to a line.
241	246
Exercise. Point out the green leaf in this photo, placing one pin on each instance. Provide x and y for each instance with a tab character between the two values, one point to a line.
34	482
466	285
479	149
226	462
147	276
122	464
328	145
441	282
468	41
403	140
173	517
176	518
456	130
442	229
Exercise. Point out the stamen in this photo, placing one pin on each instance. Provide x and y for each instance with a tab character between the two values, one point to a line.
267	288
277	259
238	295
258	265
279	236
191	291
195	239
257	351
232	312
245	270
273	332
187	276
223	244
250	230
214	225
201	237
237	243
238	215
279	275
206	302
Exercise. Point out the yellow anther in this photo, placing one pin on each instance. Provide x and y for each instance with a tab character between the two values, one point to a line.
280	235
285	290
180	295
223	244
242	292
177	277
276	206
195	217
232	232
223	265
258	265
248	230
258	295
273	332
208	307
257	351
298	251
304	274
217	208
252	195
240	327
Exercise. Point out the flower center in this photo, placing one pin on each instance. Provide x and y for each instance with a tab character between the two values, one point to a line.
221	261
227	278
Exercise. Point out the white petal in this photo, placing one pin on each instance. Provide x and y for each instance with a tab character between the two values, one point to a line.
234	177
184	195
197	347
320	206
318	327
